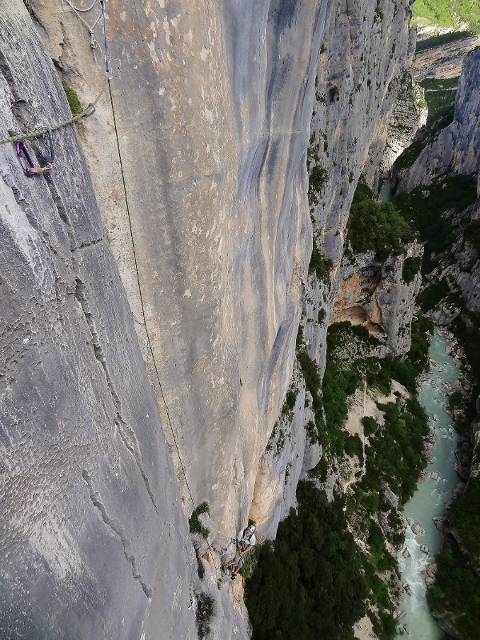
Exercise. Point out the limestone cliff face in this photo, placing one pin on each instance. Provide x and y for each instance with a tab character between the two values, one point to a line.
201	181
456	150
408	115
197	157
361	59
93	542
356	88
211	106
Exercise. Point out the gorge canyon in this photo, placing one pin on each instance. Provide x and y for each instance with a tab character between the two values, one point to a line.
156	285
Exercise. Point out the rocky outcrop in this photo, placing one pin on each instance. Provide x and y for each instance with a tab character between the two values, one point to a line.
447	626
444	61
356	89
280	468
375	295
409	114
456	148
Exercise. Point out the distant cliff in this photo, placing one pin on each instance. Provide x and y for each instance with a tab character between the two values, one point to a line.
455	148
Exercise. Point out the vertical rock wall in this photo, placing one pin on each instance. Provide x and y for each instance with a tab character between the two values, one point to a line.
197	154
220	234
366	47
363	51
206	136
375	295
456	148
200	175
93	543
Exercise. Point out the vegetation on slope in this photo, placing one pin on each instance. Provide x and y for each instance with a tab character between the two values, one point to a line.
456	593
423	208
314	581
309	583
319	265
446	13
376	226
440	97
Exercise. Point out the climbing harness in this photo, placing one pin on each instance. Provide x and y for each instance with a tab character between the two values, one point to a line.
25	159
102	16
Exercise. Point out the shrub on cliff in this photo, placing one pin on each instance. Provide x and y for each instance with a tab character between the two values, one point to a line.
424	206
317	181
194	522
72	98
376	226
309	584
456	594
411	266
319	265
204	613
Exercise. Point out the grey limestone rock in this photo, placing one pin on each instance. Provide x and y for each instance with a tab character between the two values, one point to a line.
94	541
374	294
409	113
388	495
416	528
355	93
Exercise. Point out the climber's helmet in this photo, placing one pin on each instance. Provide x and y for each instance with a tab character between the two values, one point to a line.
252	528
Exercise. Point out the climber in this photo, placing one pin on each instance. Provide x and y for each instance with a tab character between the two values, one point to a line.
245	543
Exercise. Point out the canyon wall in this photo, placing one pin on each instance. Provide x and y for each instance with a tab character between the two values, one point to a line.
92	539
456	148
165	329
211	109
361	65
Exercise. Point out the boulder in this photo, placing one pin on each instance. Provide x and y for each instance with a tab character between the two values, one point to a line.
417	529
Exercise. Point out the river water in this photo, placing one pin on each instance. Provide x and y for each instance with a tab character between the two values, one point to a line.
431	496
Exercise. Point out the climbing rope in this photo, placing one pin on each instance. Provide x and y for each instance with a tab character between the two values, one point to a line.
78	11
91	28
88	111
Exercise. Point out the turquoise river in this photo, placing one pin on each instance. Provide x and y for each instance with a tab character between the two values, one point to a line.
431	496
